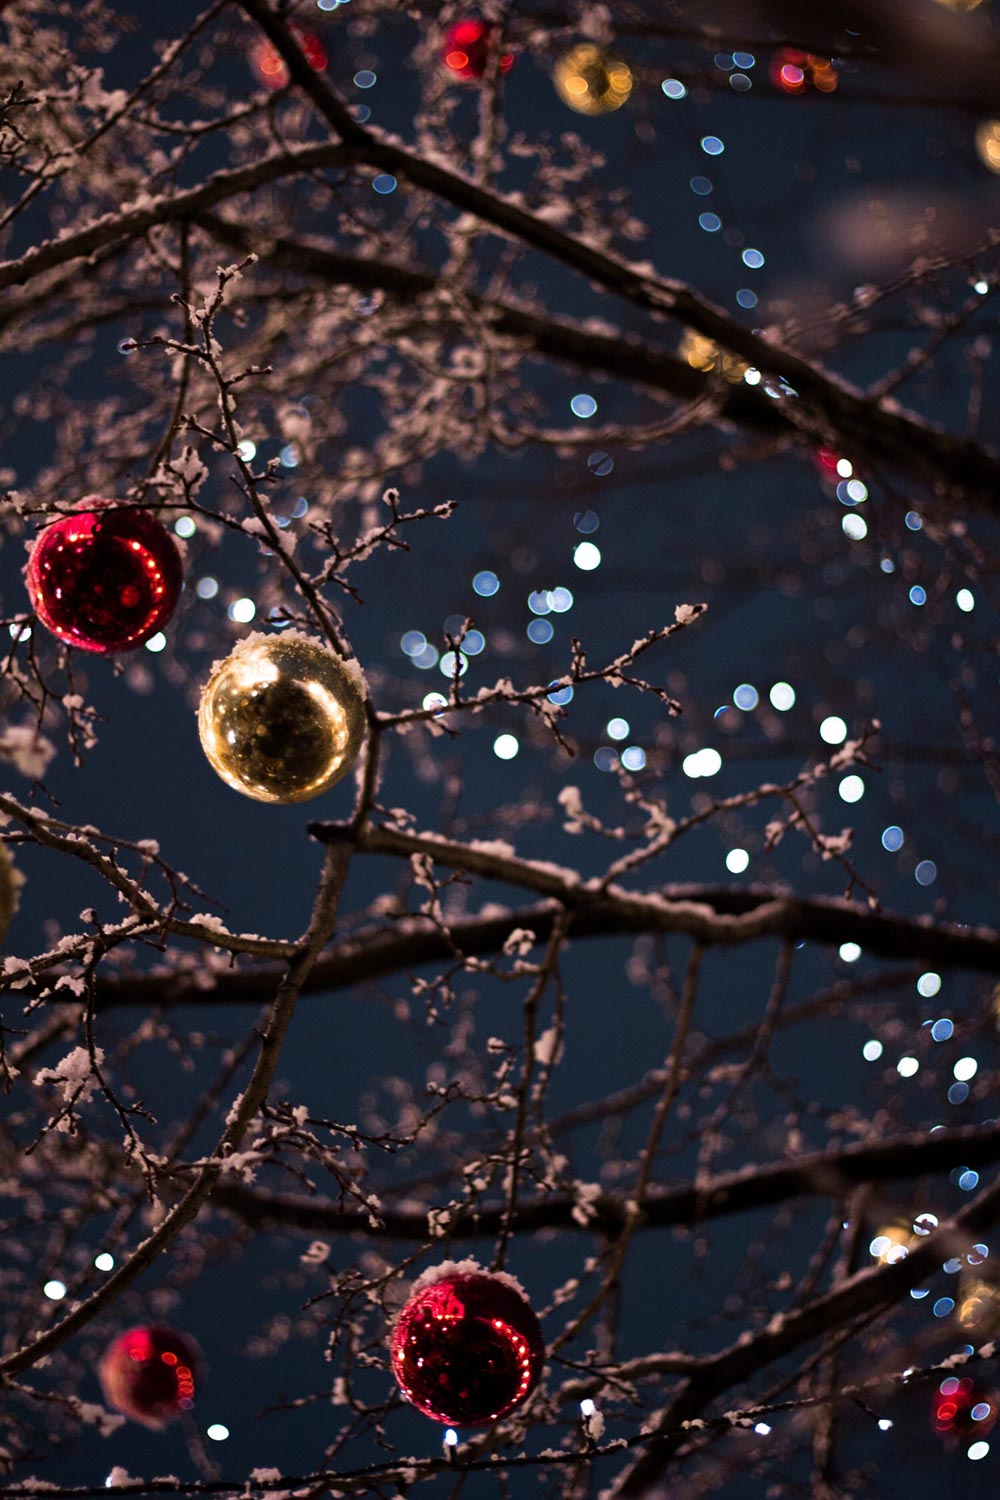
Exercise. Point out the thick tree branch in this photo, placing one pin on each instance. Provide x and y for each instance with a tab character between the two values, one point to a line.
827	1174
823	404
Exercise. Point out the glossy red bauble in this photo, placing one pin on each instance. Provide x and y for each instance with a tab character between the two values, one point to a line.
150	1374
467	1348
466	50
105	578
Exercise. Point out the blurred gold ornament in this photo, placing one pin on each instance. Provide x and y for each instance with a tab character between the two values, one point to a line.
282	719
11	881
988	143
960	5
591	81
705	355
979	1306
893	1242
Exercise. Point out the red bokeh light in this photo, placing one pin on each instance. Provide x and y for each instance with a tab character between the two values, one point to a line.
466	51
960	1411
793	72
270	67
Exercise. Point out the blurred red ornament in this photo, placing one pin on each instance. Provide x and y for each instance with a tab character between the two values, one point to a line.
150	1374
105	578
269	65
793	72
960	1411
467	1348
467	50
827	461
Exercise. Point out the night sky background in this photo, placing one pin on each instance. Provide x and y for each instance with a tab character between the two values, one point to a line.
791	599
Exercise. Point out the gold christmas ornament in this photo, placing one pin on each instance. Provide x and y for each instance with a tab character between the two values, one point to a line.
704	354
282	719
591	81
11	881
978	1309
988	143
894	1241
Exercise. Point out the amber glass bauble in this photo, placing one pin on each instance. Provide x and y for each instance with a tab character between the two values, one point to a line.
282	719
105	578
467	1349
466	50
150	1374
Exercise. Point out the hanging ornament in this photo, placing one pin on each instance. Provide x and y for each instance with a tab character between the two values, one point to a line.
466	50
592	81
11	881
105	578
961	1410
704	354
988	143
282	719
269	65
150	1373
893	1242
467	1347
794	72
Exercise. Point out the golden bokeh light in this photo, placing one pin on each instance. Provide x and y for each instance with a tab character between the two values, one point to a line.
704	354
592	81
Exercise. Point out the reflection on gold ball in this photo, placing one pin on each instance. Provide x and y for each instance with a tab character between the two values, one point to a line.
988	143
282	719
591	81
960	5
705	355
10	885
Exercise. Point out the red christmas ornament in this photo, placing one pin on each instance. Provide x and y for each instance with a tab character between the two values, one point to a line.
150	1374
269	65
960	1411
467	50
467	1348
105	578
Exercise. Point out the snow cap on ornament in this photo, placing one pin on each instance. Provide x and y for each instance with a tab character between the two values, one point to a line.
282	719
104	578
467	1347
467	47
150	1373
